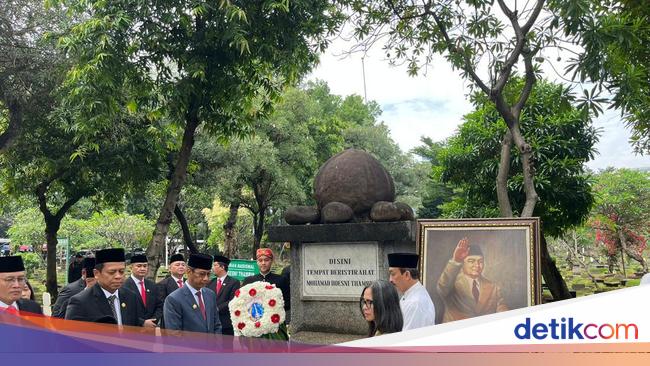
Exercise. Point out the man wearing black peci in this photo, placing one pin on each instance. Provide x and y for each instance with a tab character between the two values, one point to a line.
106	299
224	286
71	289
12	281
146	289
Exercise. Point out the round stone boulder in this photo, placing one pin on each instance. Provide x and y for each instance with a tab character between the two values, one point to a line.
355	178
336	212
383	211
407	211
300	215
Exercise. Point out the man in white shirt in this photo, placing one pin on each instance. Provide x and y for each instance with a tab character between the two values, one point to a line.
416	305
12	281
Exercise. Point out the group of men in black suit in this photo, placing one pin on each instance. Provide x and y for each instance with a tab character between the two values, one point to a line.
104	294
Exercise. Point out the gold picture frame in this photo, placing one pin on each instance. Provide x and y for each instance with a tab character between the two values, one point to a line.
501	269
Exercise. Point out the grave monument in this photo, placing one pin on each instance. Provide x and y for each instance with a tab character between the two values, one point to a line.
341	245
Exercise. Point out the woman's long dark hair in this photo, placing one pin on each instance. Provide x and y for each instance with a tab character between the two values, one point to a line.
31	291
388	315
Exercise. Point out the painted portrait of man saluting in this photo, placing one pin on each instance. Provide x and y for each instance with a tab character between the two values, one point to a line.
464	290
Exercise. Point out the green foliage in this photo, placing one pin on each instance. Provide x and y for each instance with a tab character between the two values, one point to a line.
622	212
32	262
221	63
470	34
562	140
28	229
614	36
624	193
435	193
102	230
29	65
217	216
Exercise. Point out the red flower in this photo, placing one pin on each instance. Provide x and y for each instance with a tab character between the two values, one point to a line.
252	292
237	293
258	324
237	313
241	326
272	302
269	287
275	318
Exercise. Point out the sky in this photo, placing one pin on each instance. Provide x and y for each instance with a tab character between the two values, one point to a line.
433	104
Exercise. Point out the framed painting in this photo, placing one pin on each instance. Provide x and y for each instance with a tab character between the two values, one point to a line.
474	267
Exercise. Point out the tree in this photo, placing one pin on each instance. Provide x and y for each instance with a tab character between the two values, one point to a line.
614	37
39	167
562	140
488	52
211	64
622	213
240	243
435	193
103	229
27	62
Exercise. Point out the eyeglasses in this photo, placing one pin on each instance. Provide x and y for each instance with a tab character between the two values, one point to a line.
365	303
10	280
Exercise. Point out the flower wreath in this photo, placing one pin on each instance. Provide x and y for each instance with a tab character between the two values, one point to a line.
257	309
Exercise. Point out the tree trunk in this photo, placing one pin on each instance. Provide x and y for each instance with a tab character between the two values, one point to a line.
527	168
15	121
259	230
229	230
552	275
502	177
155	251
52	225
187	236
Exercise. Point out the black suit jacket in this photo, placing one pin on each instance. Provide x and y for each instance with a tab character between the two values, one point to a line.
71	289
29	306
274	279
154	308
227	293
92	306
166	287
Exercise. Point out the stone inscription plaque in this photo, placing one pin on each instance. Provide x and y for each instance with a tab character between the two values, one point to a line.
338	271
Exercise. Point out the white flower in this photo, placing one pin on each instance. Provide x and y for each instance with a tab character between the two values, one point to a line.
254	309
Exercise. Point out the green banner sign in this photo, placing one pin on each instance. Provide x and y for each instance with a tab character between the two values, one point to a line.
241	268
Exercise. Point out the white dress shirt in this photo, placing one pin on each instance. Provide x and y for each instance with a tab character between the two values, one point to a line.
137	284
3	306
116	304
417	308
178	279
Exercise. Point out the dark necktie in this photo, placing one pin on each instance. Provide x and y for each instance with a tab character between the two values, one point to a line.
475	291
201	304
180	283
111	302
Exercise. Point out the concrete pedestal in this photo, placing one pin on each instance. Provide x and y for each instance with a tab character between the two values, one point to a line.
330	265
